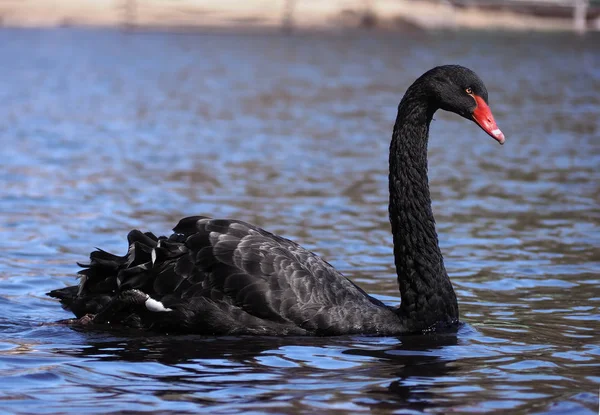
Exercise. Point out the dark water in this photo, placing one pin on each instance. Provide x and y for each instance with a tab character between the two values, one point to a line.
103	132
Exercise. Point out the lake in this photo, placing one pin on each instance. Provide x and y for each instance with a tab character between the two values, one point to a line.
104	131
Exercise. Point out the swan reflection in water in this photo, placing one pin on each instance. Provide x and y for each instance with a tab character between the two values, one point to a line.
380	372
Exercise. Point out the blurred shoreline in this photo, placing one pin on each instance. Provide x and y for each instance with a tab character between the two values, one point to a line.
310	15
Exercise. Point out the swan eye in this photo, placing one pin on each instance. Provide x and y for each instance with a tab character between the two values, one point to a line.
469	91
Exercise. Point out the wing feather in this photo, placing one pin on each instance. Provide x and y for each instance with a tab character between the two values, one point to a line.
226	276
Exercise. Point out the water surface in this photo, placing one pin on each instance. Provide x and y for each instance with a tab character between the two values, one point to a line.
103	132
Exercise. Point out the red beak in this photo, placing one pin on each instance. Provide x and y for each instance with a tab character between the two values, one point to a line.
484	118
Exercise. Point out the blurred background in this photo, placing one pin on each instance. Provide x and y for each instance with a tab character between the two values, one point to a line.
579	15
117	115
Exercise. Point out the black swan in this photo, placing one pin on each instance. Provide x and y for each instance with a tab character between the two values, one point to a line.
221	276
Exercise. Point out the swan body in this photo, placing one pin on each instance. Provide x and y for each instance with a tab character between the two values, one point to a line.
221	276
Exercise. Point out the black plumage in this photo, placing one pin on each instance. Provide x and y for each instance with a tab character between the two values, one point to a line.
220	276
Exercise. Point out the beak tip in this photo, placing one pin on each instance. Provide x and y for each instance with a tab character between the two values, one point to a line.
498	135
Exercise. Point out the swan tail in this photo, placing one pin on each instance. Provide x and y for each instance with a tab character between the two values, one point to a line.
106	275
65	295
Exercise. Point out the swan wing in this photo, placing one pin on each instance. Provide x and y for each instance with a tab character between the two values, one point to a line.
265	275
222	276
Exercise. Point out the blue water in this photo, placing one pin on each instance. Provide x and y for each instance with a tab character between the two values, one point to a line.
103	132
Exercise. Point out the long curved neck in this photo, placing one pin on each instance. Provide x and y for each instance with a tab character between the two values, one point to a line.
428	299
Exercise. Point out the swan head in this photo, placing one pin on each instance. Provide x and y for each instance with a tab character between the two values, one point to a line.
458	89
